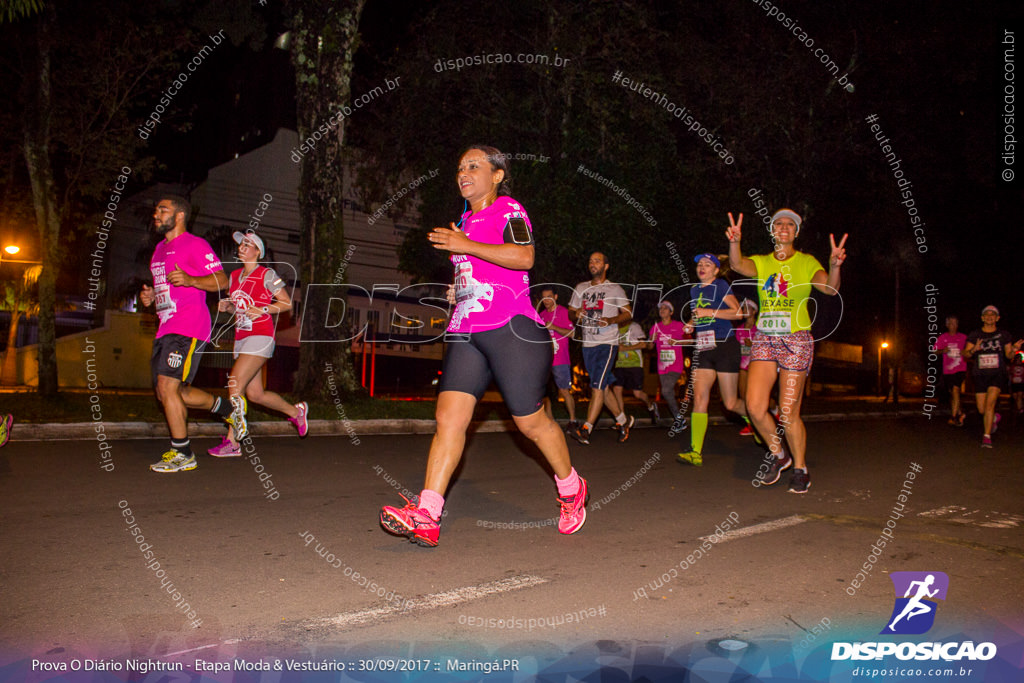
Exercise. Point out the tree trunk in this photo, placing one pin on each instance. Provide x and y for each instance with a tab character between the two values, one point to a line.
325	35
40	171
9	374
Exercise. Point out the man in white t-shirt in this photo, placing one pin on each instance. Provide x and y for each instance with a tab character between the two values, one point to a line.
599	307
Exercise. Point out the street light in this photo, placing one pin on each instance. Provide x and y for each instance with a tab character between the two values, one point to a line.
883	345
12	250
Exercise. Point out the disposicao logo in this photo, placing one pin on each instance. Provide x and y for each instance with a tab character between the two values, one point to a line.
913	613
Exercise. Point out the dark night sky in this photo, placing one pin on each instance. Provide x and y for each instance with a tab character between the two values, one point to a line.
933	72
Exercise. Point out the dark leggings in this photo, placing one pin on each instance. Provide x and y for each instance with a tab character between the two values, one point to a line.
517	356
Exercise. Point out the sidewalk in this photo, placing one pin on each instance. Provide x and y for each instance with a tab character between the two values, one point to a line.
815	409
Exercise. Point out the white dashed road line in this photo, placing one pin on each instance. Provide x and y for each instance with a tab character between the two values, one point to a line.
435	600
761	528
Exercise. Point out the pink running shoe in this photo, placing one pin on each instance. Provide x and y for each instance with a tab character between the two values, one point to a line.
411	521
226	449
300	422
574	511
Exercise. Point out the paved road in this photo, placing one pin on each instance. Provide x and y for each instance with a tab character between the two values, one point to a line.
272	572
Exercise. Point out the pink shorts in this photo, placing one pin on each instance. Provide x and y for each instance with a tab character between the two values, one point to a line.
791	351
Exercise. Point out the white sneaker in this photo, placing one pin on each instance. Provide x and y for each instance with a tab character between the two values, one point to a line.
174	461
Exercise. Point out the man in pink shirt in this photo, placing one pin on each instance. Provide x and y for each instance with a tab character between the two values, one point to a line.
184	268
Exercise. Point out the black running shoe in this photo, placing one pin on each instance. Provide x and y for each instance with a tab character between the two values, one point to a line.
623	429
800	482
778	466
581	434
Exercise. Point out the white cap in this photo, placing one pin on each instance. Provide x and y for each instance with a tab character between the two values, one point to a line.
788	213
253	238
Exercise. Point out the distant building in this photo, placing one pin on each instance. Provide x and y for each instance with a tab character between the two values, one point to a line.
259	191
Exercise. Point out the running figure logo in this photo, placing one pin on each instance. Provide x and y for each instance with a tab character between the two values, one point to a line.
914	614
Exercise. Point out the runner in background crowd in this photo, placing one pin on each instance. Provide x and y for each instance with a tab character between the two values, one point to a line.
629	368
668	336
951	345
556	319
990	348
745	338
599	307
716	354
1017	382
256	293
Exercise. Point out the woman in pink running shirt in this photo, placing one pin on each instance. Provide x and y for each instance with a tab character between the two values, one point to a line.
951	345
494	333
668	336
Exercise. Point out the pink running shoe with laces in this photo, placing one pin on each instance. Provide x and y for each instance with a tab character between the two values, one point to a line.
225	449
574	511
300	422
411	521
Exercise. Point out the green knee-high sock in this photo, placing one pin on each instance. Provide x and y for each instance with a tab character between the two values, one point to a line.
698	427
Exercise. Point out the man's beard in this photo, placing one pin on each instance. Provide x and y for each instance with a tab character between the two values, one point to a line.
163	228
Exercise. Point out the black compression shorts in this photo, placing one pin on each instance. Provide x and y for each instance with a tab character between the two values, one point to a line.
516	356
984	380
725	357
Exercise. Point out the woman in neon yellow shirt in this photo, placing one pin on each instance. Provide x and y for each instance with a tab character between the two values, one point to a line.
782	345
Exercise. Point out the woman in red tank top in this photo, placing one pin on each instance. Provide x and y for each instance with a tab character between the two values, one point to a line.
256	293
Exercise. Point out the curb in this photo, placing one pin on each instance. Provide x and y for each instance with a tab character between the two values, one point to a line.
77	431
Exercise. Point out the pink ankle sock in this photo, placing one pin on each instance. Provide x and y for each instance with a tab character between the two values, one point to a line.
568	486
432	502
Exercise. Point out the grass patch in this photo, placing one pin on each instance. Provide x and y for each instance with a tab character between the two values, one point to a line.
112	406
135	406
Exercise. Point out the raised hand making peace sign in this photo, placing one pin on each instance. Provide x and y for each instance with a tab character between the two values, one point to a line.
838	254
734	232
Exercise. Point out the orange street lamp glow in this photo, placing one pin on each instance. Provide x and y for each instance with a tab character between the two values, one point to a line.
12	249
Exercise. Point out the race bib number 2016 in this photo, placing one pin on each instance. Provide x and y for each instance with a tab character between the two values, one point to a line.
774	322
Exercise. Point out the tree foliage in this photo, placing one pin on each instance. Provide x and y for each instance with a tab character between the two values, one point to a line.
81	84
581	119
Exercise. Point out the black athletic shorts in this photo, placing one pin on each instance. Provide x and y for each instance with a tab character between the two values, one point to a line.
725	357
630	379
954	380
984	380
177	356
516	356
